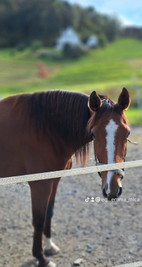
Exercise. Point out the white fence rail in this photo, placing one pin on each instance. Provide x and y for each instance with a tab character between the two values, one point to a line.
133	264
65	173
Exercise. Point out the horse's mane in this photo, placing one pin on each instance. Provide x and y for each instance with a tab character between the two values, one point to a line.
63	113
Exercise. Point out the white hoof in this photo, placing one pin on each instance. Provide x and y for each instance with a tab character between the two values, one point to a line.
51	248
51	264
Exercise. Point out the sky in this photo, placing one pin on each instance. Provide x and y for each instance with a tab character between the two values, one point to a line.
128	11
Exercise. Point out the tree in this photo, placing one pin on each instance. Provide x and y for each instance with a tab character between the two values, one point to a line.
24	22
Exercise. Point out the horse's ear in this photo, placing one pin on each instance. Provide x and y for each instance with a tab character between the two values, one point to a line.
124	99
94	102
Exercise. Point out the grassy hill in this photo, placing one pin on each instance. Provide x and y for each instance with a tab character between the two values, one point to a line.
105	70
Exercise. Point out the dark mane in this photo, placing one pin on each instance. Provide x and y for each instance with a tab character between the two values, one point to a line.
64	113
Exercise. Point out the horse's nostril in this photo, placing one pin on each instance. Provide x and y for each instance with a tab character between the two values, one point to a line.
104	192
119	191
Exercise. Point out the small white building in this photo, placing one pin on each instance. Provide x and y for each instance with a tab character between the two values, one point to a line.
92	42
68	36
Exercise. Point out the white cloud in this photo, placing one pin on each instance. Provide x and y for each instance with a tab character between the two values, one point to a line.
128	11
125	21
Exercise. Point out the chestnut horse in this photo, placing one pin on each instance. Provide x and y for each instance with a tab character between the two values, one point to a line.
40	132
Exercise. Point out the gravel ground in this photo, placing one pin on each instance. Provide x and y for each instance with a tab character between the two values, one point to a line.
99	232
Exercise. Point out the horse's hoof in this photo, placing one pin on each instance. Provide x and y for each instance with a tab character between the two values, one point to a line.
51	264
52	251
48	264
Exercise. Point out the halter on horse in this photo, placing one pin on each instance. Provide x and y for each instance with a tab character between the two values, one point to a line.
110	132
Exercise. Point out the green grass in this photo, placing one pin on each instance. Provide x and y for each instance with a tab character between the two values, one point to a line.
106	70
134	116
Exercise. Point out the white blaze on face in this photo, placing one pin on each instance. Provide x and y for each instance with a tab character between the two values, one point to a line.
111	129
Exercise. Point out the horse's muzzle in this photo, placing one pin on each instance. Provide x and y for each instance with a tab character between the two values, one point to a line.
111	196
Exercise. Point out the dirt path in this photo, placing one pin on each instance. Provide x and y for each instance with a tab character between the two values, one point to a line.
101	233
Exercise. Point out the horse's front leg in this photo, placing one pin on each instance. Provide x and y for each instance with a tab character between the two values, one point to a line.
40	195
51	248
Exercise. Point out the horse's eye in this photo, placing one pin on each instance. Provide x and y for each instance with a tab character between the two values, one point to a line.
92	134
128	134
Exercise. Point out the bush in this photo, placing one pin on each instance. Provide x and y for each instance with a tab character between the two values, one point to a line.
73	51
51	55
36	45
21	47
102	40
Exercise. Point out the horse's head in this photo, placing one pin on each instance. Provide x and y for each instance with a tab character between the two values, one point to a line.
110	130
